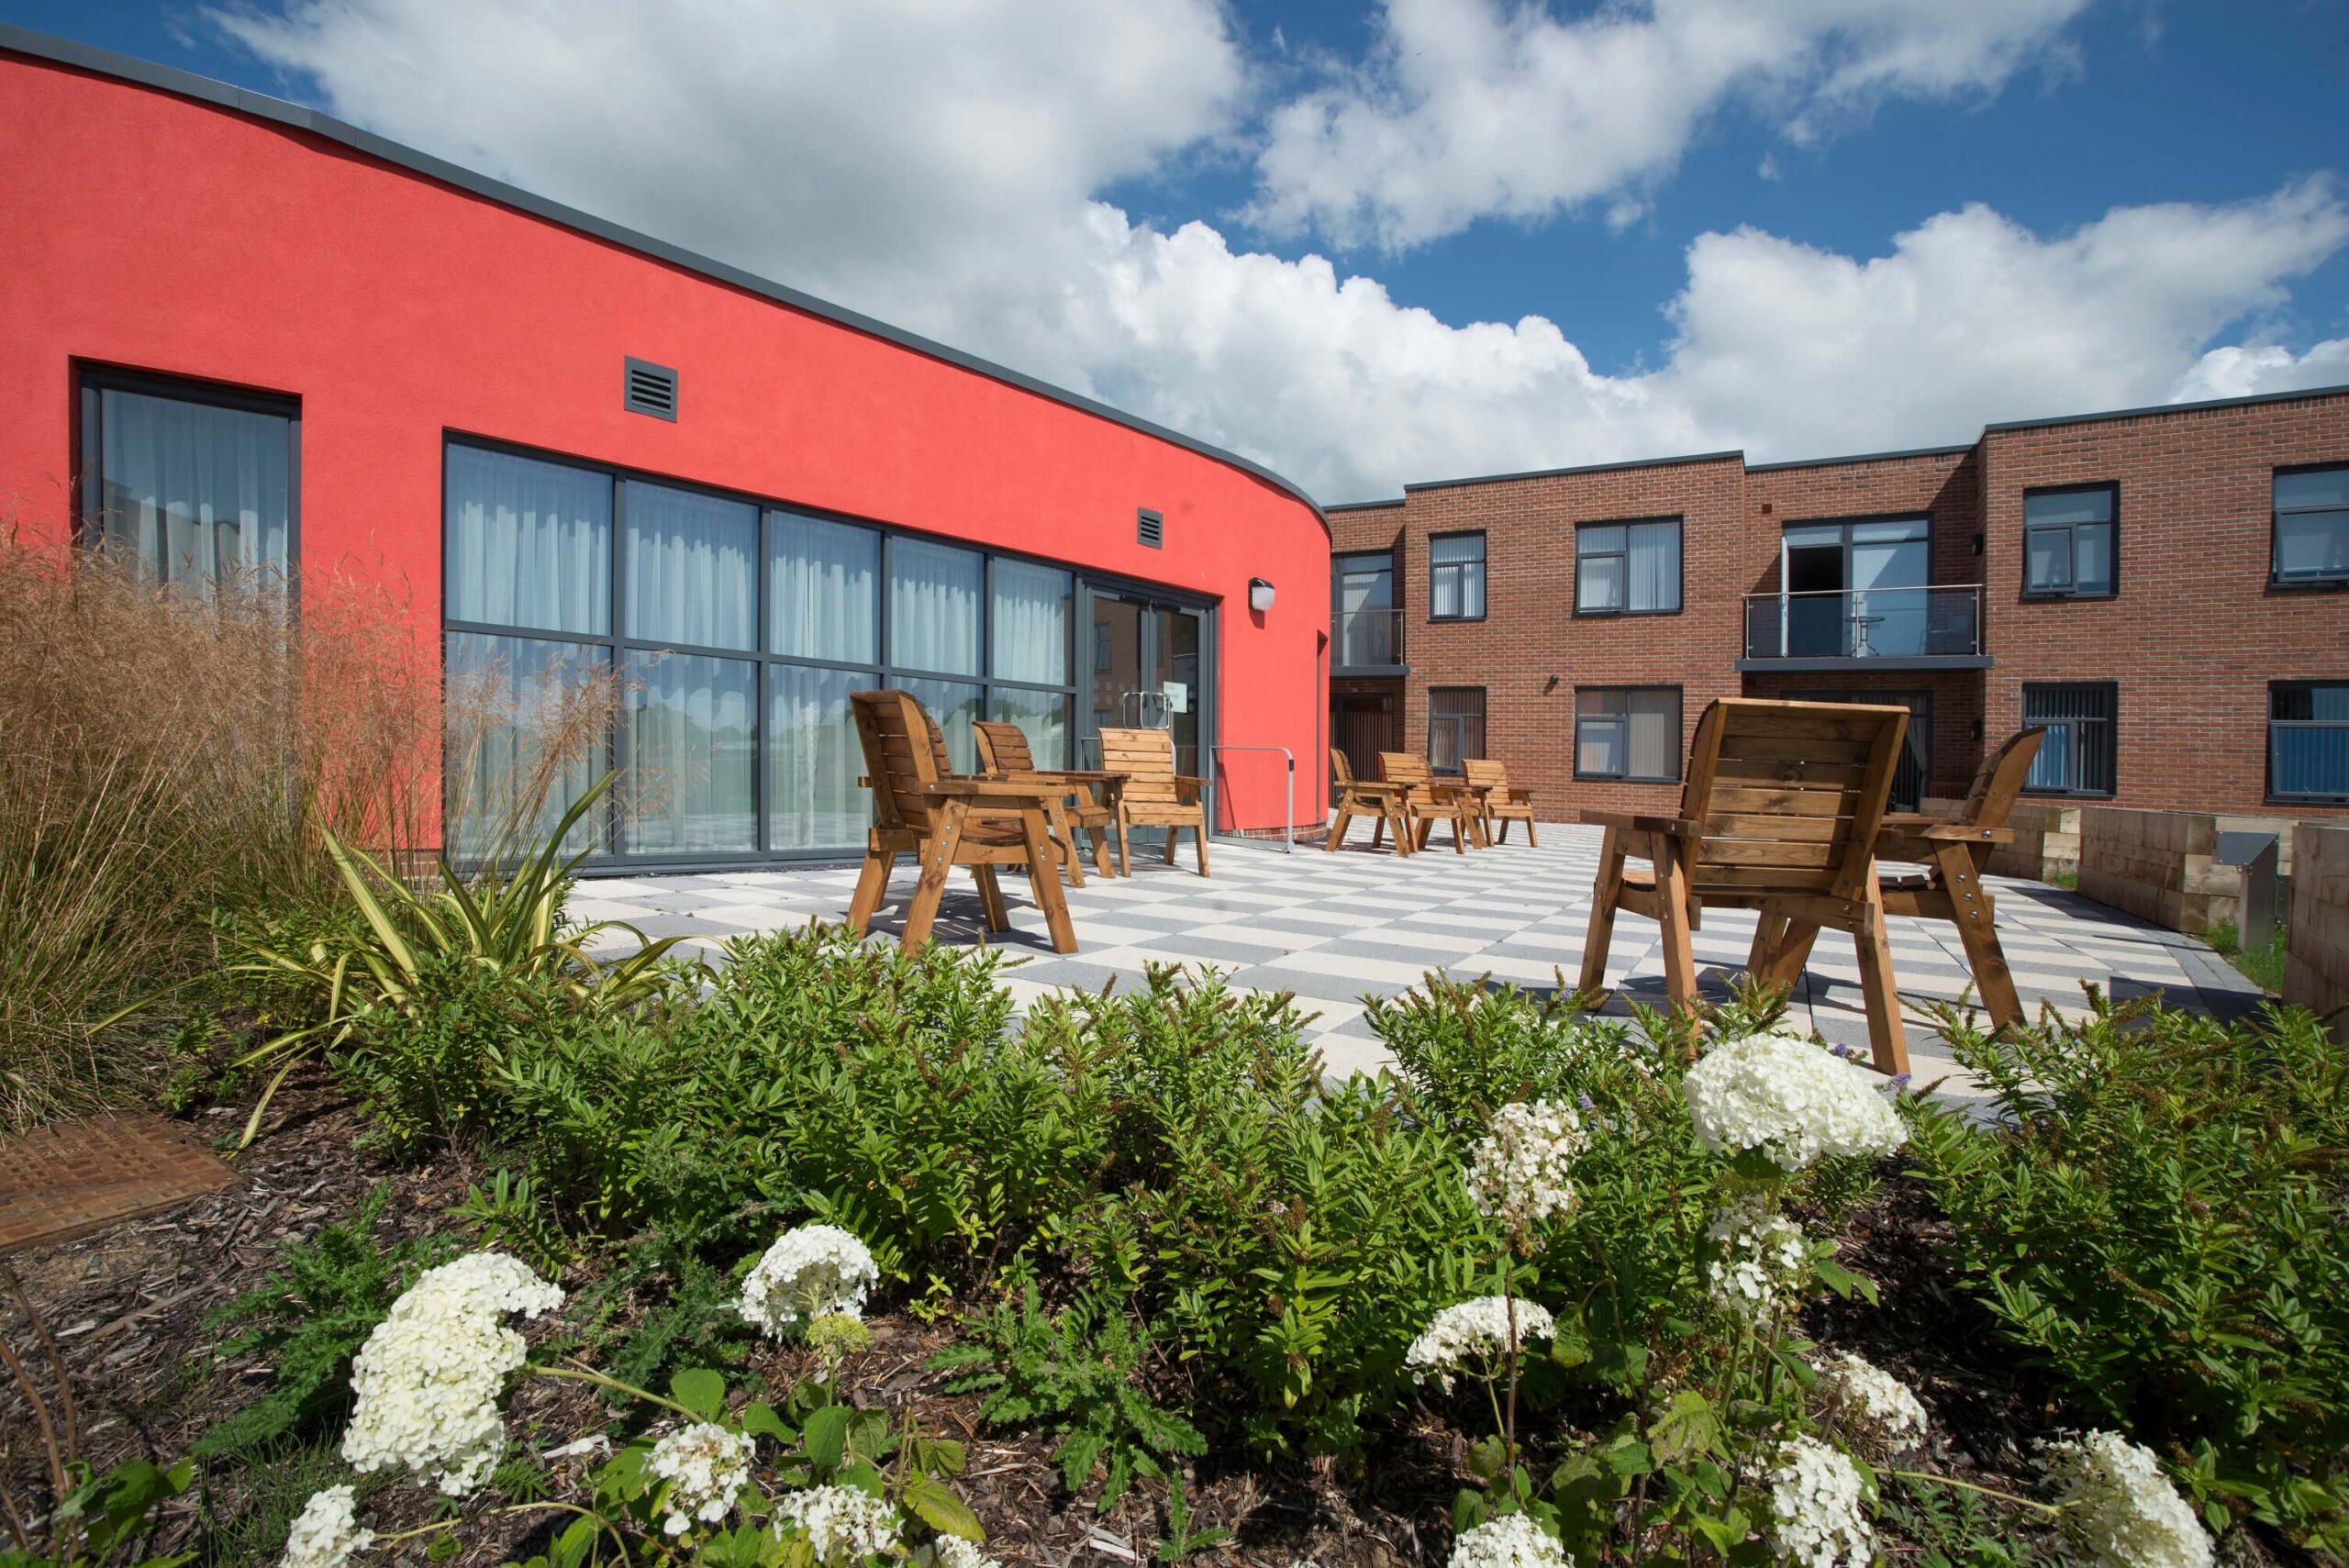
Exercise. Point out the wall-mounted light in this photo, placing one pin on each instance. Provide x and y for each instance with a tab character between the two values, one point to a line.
1260	595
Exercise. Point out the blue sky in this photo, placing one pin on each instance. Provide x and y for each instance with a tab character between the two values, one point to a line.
1862	226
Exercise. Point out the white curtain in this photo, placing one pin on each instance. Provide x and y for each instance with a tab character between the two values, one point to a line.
530	543
1654	565
196	488
1456	585
505	698
690	572
823	589
692	755
1029	625
1656	735
933	607
953	707
818	759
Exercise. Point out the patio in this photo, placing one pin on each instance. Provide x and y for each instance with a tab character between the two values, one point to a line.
1335	928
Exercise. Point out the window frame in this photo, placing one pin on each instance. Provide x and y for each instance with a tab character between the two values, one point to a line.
2271	795
1483	717
1484	573
2332	583
1680	738
92	379
1679	562
616	645
2112	728
2041	596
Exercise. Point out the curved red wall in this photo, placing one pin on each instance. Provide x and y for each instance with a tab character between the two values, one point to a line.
152	231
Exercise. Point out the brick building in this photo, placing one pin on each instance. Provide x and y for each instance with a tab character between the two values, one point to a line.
2163	588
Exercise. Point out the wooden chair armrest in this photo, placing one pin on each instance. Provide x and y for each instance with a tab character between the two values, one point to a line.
1086	775
1187	788
1920	836
1369	787
993	791
1521	796
1624	821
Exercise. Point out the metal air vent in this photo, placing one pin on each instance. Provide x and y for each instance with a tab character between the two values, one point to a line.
1149	528
651	389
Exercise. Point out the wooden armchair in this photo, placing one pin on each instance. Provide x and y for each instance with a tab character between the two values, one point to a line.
1382	803
919	808
1779	814
1498	801
1073	807
1153	793
1426	801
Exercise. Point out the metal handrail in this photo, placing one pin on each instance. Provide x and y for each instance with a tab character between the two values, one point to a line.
1288	825
1771	636
1374	630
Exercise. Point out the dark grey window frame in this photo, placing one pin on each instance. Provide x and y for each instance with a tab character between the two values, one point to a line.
1483	717
92	378
1679	563
1484	573
2272	794
2040	596
1680	731
616	645
2331	582
2110	721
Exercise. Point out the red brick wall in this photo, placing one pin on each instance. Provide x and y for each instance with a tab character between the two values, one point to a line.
2195	633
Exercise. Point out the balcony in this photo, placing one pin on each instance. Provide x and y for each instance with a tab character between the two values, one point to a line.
1366	642
1937	628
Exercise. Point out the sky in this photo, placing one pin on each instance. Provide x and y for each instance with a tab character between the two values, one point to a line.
1415	240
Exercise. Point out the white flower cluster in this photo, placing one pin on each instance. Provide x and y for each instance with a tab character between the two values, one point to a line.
1817	1507
1791	1100
428	1377
1512	1540
842	1524
816	1270
706	1466
2119	1506
326	1533
1759	1257
1861	1392
954	1551
1520	1171
1473	1337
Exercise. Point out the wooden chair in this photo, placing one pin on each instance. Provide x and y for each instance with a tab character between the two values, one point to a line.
1779	814
1933	870
1382	803
1498	801
1153	793
920	809
1427	802
1073	807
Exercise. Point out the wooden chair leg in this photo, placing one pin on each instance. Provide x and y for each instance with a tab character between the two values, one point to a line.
1102	864
1459	830
1338	830
1400	826
871	884
1974	913
1785	967
1769	930
1887	1040
1169	856
1601	929
1067	842
1045	883
1378	829
1125	848
1532	841
923	910
1672	905
1199	833
991	898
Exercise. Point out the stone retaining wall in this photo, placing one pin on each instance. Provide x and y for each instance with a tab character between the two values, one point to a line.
2163	866
2316	966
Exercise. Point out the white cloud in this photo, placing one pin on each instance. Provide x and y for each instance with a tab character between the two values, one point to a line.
1495	109
907	159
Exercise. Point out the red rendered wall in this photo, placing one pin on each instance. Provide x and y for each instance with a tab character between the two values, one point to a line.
159	233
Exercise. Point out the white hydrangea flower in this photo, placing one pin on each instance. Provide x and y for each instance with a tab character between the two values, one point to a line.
1520	1171
954	1551
1512	1540
1789	1099
1473	1337
841	1523
1863	1392
2119	1506
428	1377
326	1533
816	1270
1759	1258
1817	1507
706	1466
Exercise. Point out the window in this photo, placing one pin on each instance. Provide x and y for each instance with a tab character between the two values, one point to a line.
2311	524
195	480
2068	542
2307	740
1628	732
1455	726
1628	568
2079	755
1362	609
1456	577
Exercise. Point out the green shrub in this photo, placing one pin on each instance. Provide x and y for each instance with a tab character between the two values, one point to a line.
2158	1221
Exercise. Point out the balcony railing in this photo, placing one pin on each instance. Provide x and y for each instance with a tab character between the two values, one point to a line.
1362	639
1940	622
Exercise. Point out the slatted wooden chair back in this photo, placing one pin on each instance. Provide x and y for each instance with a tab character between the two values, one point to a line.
1003	748
1482	772
1998	783
1410	771
903	751
1788	795
1147	759
1342	769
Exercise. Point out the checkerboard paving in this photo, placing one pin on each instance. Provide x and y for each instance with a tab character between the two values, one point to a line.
1335	928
